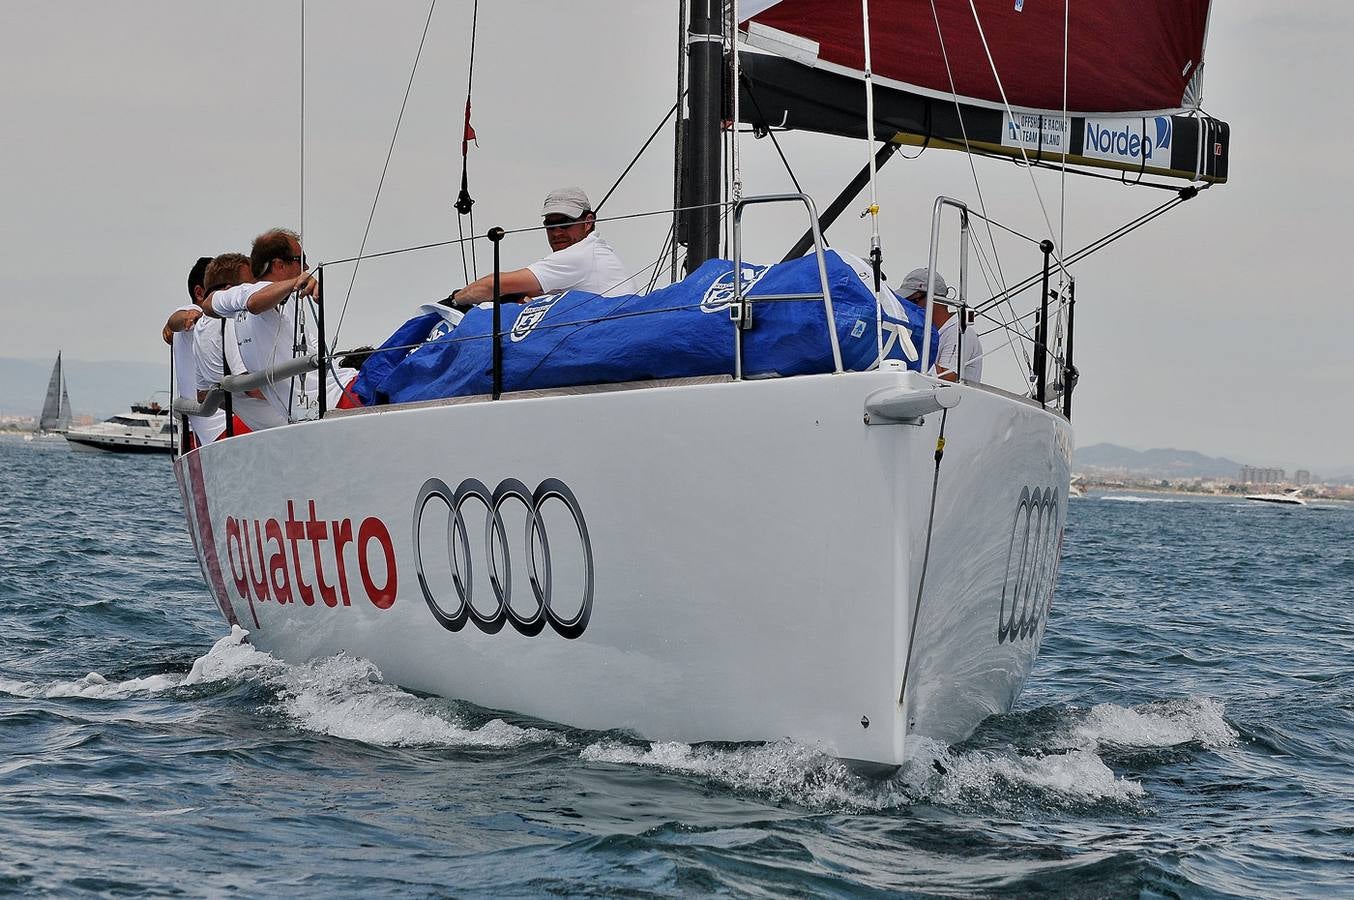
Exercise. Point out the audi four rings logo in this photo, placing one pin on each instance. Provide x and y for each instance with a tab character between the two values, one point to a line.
1031	563
498	549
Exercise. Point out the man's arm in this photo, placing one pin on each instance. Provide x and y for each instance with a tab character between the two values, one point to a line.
248	298
180	320
521	281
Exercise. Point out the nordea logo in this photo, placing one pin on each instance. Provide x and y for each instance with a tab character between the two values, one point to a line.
1129	140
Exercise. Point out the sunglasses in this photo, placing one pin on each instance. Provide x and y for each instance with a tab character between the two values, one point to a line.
561	223
294	259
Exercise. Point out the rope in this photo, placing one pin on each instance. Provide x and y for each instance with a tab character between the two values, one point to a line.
521	230
432	5
926	555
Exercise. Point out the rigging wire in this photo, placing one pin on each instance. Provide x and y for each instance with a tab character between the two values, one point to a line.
464	202
617	183
982	35
771	132
432	5
301	180
679	129
968	154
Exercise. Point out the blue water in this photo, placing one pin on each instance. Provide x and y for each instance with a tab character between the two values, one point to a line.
1188	731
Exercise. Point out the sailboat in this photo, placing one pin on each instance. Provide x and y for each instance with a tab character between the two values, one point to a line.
851	557
56	406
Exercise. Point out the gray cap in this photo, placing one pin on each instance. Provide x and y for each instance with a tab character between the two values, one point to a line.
566	201
916	281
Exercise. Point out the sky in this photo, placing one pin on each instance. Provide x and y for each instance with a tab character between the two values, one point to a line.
140	135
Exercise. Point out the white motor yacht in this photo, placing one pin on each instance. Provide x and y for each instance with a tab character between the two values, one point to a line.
1290	497
145	428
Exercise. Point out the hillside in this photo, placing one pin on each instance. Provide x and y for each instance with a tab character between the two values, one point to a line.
1162	462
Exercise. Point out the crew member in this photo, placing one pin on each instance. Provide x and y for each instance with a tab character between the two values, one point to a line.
581	261
178	333
266	336
947	364
217	345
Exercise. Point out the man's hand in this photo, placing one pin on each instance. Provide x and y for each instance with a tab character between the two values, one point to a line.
305	285
180	320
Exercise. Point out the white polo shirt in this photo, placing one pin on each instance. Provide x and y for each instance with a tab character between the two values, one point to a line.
265	339
590	265
947	353
205	428
255	413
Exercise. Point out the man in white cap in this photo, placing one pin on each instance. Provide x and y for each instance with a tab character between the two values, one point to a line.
947	353
581	260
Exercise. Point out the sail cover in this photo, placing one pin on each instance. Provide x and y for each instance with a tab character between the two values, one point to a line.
1134	58
1132	85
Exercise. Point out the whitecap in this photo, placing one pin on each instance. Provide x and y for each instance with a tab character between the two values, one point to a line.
1167	723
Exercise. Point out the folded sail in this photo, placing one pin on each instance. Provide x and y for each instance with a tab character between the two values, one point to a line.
1132	86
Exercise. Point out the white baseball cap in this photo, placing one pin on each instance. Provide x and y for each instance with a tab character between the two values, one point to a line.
566	201
916	281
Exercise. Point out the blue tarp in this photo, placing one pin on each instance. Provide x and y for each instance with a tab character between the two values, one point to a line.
682	330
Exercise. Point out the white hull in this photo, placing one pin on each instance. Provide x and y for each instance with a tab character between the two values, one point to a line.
755	553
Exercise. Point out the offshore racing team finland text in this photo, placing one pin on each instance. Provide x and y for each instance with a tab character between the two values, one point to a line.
266	559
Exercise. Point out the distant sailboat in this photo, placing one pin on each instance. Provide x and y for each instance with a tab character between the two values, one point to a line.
56	407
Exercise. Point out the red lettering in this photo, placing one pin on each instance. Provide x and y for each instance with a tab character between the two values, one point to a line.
374	529
343	535
257	582
235	555
278	576
317	530
296	532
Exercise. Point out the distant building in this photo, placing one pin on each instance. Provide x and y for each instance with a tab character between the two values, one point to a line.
1301	477
1261	475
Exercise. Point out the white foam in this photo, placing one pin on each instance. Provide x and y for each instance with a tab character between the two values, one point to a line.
1124	498
809	777
93	686
783	769
1165	724
341	696
344	696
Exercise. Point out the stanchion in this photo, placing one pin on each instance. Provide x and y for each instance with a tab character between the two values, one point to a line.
319	321
1041	333
495	236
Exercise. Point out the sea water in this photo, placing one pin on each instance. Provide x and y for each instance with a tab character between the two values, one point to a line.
1187	730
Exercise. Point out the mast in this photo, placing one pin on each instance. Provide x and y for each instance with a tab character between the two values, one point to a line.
705	65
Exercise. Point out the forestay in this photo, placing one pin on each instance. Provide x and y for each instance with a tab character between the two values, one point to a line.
579	338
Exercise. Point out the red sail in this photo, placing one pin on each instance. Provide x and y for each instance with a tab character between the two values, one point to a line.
1122	57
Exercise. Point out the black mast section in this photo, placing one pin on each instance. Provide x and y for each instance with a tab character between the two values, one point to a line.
705	65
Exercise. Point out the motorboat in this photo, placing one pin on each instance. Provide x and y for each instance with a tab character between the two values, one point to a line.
1290	497
850	555
145	428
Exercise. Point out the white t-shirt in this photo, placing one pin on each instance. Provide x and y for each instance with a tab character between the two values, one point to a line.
206	428
255	413
590	265
948	351
265	339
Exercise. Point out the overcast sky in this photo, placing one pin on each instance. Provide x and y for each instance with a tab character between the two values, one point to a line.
140	135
